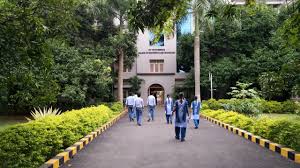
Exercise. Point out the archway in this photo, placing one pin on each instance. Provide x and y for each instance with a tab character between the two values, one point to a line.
158	92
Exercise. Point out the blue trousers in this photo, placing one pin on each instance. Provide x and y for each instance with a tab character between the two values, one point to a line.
169	118
151	112
180	131
139	113
196	122
130	112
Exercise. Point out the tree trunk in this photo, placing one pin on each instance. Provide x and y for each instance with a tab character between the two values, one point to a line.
120	75
121	65
197	55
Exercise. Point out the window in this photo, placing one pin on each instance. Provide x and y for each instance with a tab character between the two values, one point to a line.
160	42
156	65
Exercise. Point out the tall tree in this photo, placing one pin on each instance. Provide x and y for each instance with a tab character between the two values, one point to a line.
123	40
205	12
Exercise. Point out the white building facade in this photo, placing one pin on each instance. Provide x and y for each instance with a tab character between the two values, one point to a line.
155	65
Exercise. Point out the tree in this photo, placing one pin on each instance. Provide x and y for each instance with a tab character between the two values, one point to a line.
290	29
205	13
124	41
185	55
135	83
272	85
242	91
82	75
159	15
25	74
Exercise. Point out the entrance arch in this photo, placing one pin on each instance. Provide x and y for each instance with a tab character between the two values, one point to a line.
158	91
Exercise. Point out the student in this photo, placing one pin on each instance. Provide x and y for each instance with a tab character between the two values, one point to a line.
130	105
134	109
139	105
181	111
196	106
168	109
151	102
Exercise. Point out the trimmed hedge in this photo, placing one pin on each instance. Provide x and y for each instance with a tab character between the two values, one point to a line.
253	106
279	130
31	144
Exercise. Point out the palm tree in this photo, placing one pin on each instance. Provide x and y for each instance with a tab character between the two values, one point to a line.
118	9
205	12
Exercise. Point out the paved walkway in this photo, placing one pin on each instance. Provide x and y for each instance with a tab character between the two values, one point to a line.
153	145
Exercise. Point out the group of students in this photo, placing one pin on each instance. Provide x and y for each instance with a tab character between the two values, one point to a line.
180	108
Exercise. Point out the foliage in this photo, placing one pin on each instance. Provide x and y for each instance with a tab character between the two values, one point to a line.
291	26
271	84
244	53
253	106
242	91
280	130
25	77
116	107
33	143
42	113
135	83
87	83
158	15
185	52
247	106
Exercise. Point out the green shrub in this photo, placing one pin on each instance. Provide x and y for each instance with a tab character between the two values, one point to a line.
116	107
280	130
253	106
272	107
290	107
245	106
31	144
213	104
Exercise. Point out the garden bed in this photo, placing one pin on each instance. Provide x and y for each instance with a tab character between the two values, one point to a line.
280	130
31	144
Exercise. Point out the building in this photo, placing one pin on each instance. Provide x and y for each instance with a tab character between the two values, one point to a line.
156	65
156	62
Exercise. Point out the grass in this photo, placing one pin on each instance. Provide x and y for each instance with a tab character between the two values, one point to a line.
6	121
292	117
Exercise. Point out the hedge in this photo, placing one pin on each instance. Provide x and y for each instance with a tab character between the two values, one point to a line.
31	144
279	130
253	106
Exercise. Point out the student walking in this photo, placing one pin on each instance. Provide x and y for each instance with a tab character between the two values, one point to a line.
168	109
151	102
130	106
196	106
134	109
181	112
139	106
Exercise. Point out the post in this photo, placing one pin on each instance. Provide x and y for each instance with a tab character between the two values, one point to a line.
211	85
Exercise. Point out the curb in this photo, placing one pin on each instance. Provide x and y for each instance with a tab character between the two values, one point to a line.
71	151
283	151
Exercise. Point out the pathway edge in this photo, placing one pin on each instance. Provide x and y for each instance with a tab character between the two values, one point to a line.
71	151
283	151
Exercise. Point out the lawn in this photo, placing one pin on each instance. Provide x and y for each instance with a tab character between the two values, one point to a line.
293	117
6	121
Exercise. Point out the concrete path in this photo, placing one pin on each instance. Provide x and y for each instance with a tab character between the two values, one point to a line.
126	145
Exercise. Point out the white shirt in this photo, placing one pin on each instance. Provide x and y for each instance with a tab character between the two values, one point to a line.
139	102
169	105
151	101
130	101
